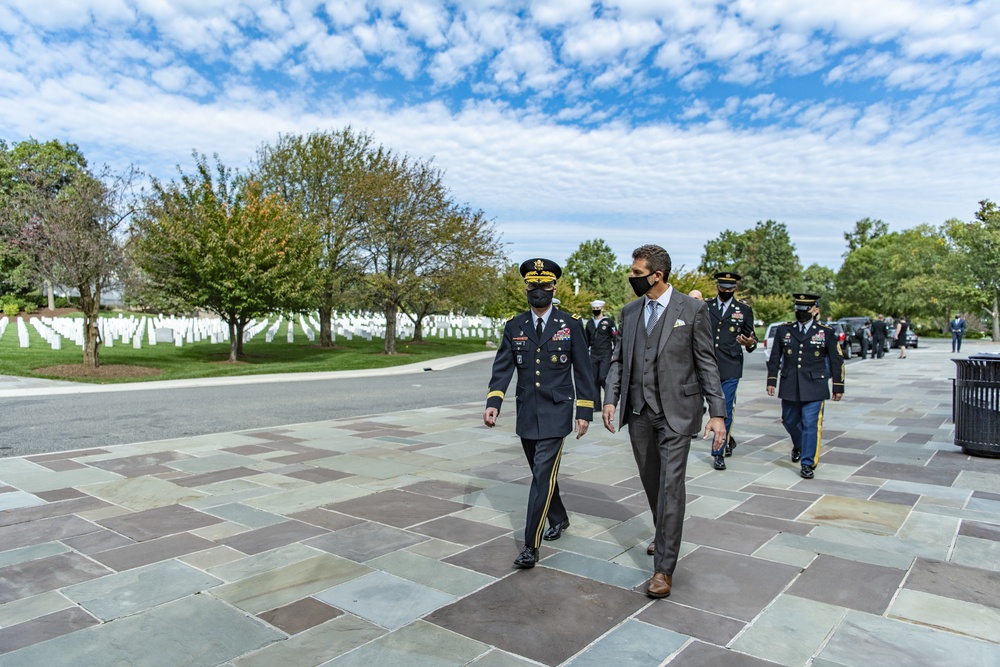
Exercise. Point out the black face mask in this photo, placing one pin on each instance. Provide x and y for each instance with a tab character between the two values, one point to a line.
640	284
540	298
802	316
597	313
725	296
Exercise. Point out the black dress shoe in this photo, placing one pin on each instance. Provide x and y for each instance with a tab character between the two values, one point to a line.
720	462
796	454
555	532
807	472
730	446
527	558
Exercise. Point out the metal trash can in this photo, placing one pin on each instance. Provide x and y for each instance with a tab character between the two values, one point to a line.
976	405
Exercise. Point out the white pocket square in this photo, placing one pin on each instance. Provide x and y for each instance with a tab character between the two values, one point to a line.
679	323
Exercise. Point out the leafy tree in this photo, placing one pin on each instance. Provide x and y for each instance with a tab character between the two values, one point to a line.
508	298
978	245
222	243
29	170
865	231
314	173
764	256
410	232
594	264
820	280
684	281
774	308
461	275
900	273
73	235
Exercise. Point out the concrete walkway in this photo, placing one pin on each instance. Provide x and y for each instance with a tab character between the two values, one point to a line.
390	540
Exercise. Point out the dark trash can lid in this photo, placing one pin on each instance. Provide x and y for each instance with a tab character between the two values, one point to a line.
986	356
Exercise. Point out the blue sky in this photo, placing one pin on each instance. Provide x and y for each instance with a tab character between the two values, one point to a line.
637	121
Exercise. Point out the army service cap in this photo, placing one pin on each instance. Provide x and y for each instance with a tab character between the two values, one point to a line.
540	270
805	301
727	279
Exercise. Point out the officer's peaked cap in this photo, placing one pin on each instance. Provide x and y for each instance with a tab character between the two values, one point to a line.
540	270
805	301
727	279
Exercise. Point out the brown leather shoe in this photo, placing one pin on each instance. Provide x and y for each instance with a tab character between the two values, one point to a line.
659	585
651	549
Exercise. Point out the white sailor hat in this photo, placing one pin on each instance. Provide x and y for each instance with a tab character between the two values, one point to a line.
597	304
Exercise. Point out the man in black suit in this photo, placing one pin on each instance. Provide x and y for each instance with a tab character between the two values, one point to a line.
880	332
548	348
662	373
601	334
806	354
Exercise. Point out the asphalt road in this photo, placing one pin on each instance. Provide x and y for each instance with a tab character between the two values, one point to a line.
41	424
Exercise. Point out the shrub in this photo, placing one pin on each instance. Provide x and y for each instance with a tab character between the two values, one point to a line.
30	307
11	307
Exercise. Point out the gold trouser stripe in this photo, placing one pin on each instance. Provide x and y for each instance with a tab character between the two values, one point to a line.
585	404
548	500
498	394
819	432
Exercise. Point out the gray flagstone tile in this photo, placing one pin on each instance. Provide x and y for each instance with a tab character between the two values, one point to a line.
697	654
429	572
158	522
46	574
848	583
598	569
129	592
315	646
44	530
726	535
632	644
955	581
18	499
728	584
385	599
44	628
166	635
965	618
34	552
300	615
863	640
272	536
152	551
417	645
790	631
709	627
547	628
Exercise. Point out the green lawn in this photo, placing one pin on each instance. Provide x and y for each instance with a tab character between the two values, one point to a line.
200	360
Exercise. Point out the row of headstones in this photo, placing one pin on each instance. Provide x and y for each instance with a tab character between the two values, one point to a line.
181	330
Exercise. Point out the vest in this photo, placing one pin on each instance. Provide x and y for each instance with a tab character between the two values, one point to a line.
643	388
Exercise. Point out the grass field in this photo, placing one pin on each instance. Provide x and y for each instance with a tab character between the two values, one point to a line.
204	359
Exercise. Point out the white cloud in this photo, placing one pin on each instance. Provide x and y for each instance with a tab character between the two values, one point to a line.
896	117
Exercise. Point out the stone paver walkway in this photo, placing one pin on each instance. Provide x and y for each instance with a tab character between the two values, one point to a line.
390	539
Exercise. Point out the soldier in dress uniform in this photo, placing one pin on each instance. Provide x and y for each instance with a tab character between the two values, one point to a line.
732	326
807	355
548	348
601	337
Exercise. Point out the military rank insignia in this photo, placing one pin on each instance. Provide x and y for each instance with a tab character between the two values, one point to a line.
562	334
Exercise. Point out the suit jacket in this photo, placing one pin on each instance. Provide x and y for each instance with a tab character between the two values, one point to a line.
806	362
686	369
880	330
958	325
738	319
546	369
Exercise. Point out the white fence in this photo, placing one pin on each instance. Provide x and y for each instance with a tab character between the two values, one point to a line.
133	330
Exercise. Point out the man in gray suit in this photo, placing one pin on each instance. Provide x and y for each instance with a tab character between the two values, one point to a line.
662	372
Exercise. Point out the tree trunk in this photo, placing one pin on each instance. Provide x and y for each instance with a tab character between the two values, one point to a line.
418	330
51	294
90	304
996	315
325	326
390	330
234	335
241	327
